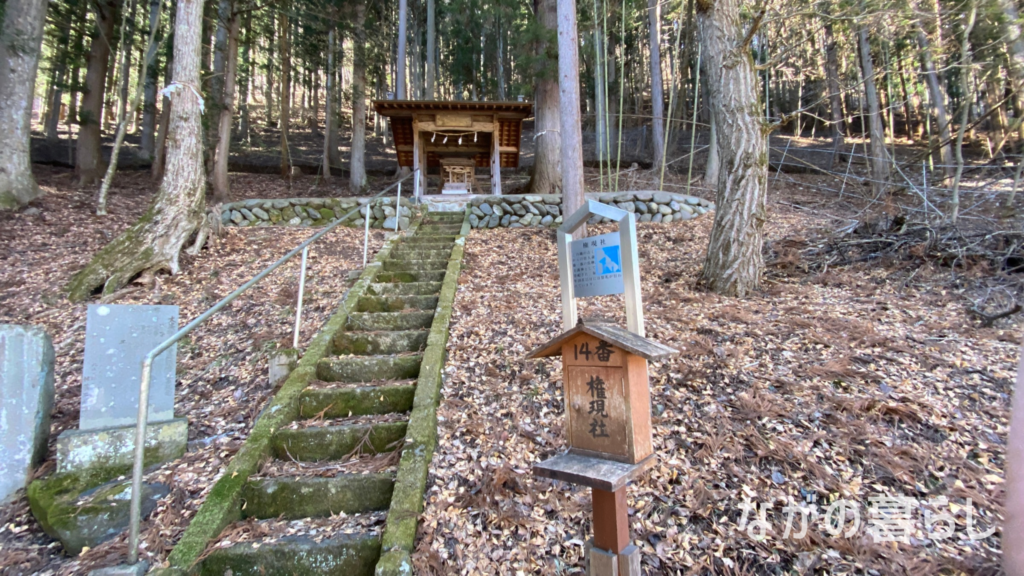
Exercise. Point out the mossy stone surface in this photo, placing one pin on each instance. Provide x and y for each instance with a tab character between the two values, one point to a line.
389	320
342	555
81	449
360	401
396	303
223	504
423	276
336	442
314	497
384	342
394	563
74	509
415	265
368	368
407	288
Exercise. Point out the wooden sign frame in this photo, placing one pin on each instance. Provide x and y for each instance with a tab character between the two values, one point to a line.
630	262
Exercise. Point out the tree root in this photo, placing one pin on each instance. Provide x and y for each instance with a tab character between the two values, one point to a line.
151	244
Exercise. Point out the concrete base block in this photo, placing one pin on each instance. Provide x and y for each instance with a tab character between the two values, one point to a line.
81	449
604	563
281	363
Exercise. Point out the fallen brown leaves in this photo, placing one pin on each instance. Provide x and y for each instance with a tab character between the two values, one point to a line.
856	387
222	366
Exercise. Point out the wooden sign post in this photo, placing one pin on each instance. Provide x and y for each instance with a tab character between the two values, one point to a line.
607	399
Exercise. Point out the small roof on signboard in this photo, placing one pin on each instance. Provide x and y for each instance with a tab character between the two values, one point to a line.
611	333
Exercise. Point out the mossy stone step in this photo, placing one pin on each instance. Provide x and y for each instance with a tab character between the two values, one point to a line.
429	239
317	443
439	230
312	497
375	343
444	216
395	303
421	254
341	555
368	368
410	288
414	265
421	276
358	401
382	321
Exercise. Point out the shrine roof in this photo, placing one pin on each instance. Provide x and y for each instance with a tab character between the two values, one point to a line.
615	335
407	107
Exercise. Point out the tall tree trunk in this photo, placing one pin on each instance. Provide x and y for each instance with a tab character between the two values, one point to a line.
21	36
546	178
89	164
879	162
221	183
160	151
60	70
431	50
403	9
965	89
571	147
937	97
328	106
336	103
285	52
734	263
155	241
126	61
79	49
1010	26
657	95
215	95
245	79
714	167
147	144
909	110
357	150
269	92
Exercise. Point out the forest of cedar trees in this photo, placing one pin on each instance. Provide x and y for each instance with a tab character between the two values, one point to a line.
849	313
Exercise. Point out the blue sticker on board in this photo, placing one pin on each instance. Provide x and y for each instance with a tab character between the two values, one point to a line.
607	260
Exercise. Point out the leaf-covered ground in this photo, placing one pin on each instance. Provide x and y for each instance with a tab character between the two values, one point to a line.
859	382
222	366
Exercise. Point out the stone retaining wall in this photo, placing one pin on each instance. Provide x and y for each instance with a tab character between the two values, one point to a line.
315	212
512	211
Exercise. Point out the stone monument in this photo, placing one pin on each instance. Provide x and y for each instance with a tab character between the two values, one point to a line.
117	339
26	399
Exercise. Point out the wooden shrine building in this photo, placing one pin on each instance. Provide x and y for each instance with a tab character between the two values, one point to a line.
455	138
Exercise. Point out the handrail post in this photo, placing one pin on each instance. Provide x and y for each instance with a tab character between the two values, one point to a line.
298	307
135	512
366	230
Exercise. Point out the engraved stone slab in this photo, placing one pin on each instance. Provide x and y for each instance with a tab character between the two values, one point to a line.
117	339
26	399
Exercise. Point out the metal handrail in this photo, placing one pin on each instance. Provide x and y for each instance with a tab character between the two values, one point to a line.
147	363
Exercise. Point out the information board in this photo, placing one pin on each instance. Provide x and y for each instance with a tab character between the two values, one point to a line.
597	265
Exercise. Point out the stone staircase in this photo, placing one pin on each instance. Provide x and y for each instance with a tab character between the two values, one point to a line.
319	503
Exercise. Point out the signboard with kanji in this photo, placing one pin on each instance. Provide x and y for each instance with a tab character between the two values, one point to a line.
607	396
597	265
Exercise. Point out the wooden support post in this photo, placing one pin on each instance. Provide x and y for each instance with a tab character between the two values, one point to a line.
495	161
611	520
416	162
